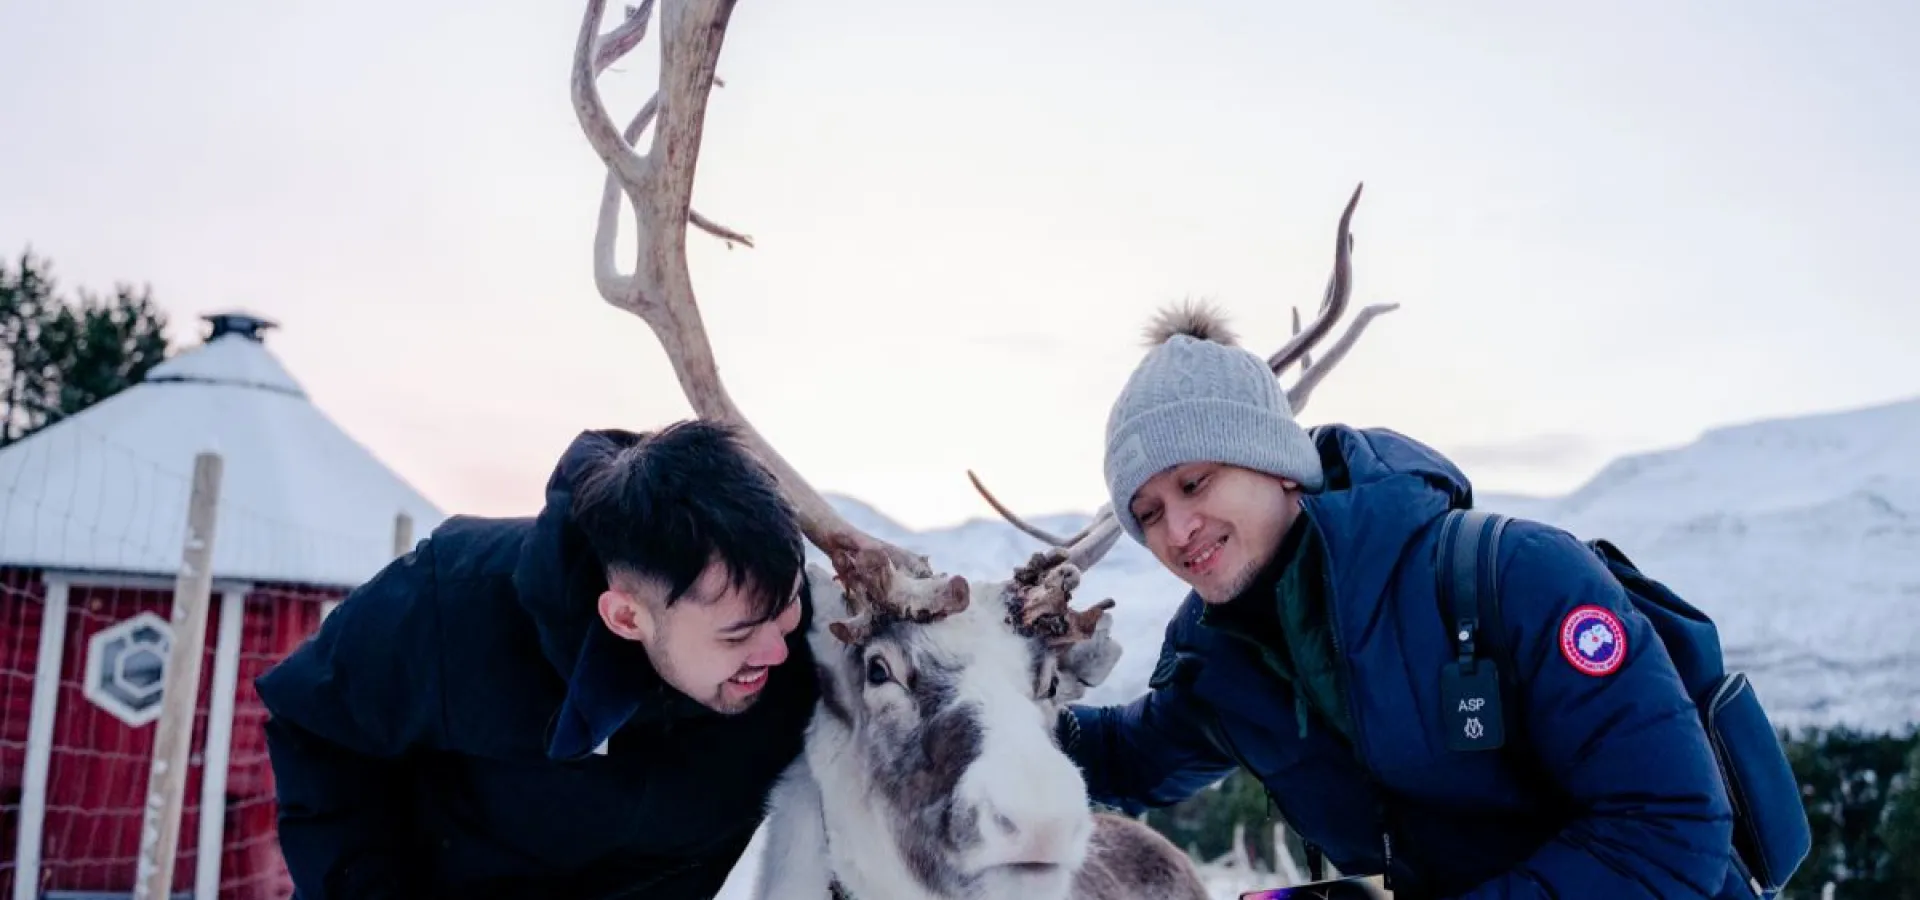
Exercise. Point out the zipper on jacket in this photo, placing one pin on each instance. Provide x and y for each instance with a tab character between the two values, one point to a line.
1233	749
1346	696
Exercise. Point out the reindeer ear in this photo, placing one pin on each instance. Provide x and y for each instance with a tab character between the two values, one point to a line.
852	632
829	602
1087	663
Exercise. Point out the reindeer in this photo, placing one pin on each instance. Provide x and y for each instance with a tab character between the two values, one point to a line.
930	769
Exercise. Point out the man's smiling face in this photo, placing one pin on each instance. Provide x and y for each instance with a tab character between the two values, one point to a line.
1215	525
708	644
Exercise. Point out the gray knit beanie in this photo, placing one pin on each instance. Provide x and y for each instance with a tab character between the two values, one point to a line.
1199	397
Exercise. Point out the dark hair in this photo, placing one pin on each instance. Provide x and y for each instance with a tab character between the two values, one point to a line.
667	506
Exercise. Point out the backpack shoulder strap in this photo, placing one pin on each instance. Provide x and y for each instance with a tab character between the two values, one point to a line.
1472	690
1468	580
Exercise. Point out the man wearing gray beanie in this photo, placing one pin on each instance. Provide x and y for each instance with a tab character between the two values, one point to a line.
1315	654
1199	399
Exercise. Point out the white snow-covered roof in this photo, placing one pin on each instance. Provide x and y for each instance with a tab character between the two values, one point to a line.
301	501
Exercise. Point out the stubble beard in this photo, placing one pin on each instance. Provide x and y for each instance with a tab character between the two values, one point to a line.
716	698
1232	586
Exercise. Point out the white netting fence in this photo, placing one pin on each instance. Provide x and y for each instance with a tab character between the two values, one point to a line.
92	540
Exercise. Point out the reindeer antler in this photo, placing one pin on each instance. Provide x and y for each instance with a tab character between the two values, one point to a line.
1044	593
878	577
1039	596
1332	307
1040	591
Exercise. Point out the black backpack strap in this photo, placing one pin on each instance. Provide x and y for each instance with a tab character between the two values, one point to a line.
1467	583
1468	579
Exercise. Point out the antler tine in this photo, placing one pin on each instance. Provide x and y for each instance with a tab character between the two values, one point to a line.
1306	358
1092	544
1339	284
609	48
1339	287
1013	519
1298	394
1085	548
659	187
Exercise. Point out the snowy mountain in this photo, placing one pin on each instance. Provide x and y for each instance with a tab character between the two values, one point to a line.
1801	537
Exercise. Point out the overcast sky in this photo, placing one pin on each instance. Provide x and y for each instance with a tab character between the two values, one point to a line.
1609	226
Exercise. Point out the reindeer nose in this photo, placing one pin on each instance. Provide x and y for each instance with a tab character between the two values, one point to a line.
1038	823
1034	840
1021	802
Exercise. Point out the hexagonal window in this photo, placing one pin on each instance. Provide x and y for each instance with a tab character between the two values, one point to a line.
127	668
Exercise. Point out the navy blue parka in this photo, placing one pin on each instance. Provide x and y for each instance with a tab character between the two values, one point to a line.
1606	788
437	736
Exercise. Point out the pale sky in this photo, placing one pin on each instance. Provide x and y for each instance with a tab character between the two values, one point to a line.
1639	220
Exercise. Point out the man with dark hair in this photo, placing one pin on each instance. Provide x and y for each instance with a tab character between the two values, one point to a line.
588	703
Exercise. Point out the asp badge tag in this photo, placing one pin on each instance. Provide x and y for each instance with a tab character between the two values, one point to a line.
1470	706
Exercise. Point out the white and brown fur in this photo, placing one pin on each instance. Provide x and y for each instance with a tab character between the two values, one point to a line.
939	778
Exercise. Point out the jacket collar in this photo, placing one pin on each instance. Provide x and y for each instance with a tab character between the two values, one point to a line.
1383	489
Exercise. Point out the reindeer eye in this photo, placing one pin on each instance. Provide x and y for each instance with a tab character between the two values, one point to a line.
877	672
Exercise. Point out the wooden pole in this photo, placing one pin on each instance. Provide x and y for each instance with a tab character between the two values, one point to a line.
402	534
173	734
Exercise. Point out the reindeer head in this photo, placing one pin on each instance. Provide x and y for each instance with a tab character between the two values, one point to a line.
941	728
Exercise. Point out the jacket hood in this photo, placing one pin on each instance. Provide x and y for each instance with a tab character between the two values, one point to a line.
559	579
1383	489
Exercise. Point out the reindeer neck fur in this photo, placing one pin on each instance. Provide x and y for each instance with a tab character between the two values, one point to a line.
923	786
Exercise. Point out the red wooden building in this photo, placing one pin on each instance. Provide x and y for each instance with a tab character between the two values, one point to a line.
92	517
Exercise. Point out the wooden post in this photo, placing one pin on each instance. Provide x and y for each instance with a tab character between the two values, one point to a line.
402	534
173	734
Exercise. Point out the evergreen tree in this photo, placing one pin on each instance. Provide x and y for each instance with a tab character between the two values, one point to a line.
1900	830
59	356
1204	824
25	297
1847	779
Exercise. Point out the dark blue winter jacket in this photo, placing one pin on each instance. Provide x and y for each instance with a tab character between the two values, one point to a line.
437	736
1606	787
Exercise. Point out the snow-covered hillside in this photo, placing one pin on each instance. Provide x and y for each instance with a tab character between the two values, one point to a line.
1801	537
